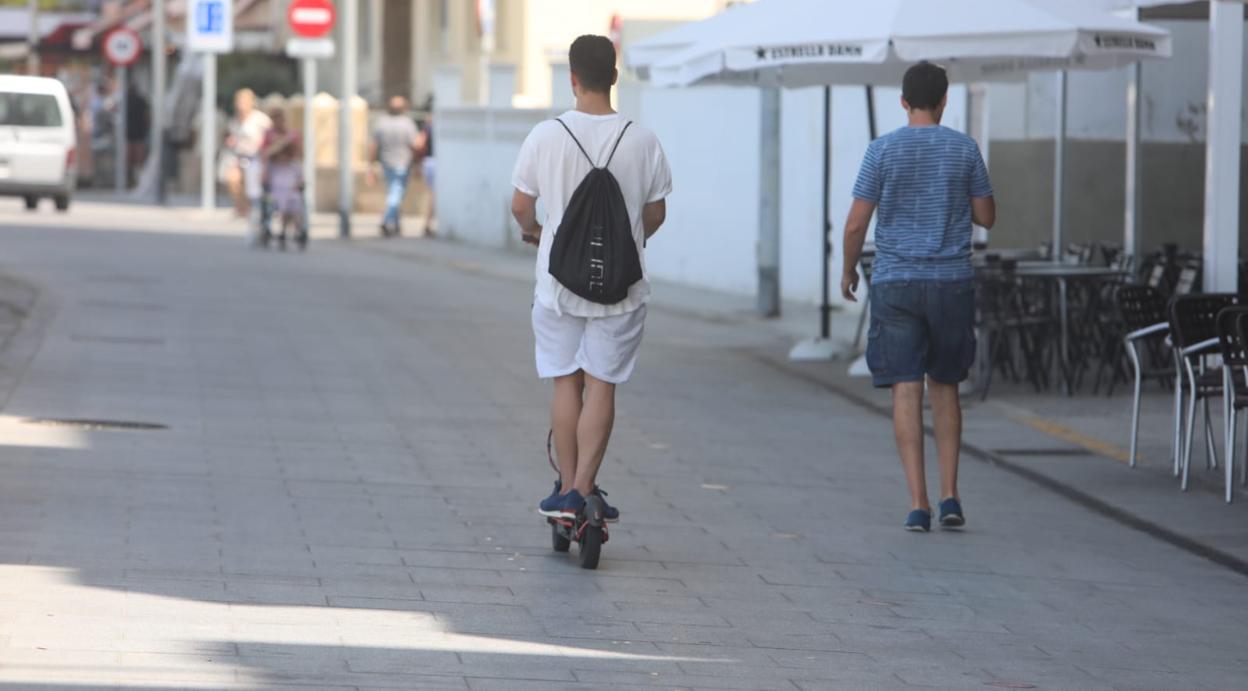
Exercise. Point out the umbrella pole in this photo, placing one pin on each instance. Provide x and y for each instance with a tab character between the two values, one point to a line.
1131	232
822	348
1059	169
825	308
871	127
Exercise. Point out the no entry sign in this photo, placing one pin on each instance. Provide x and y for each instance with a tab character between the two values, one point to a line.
311	18
122	47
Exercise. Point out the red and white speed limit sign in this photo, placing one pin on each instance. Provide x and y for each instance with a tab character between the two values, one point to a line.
122	47
311	18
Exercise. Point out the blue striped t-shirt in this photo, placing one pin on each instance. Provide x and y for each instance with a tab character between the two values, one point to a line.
922	180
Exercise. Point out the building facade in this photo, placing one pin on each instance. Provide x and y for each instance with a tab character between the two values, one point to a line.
405	44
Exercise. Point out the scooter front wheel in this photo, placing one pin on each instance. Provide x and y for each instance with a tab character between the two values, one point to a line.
591	546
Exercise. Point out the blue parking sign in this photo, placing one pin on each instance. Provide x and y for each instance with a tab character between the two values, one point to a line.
210	26
210	16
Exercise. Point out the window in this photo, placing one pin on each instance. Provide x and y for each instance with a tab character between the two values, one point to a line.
29	110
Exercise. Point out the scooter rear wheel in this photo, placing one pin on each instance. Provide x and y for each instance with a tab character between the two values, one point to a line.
558	540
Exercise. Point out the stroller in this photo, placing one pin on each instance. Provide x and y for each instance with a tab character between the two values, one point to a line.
283	208
282	200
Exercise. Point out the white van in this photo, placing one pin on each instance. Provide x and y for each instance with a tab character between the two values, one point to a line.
38	142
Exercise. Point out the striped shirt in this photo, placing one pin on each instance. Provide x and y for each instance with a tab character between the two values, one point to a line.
922	180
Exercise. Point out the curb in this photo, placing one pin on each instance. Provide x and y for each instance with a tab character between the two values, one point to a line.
1088	501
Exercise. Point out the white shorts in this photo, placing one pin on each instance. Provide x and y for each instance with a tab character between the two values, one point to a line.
604	347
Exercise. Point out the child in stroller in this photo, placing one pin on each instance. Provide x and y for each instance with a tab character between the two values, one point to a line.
283	181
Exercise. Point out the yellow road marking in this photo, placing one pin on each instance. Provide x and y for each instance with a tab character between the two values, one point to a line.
1071	436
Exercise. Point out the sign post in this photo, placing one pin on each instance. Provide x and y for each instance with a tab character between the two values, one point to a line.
310	22
122	48
346	169
160	82
209	31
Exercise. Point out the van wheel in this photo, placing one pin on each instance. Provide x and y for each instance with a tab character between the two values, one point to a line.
32	202
62	202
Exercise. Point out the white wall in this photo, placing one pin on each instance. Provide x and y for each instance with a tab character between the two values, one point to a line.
477	148
711	139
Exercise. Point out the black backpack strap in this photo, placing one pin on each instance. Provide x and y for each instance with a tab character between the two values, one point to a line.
617	142
578	142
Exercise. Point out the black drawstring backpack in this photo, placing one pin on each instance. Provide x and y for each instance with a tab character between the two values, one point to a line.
593	254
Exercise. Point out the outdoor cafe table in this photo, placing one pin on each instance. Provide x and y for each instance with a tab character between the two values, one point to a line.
1061	275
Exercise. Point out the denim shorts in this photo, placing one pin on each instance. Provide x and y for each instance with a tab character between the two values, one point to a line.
921	329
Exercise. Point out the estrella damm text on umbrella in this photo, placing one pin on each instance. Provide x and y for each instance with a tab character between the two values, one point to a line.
1124	41
811	51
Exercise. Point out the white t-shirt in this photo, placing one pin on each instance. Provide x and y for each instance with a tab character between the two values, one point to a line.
249	133
550	167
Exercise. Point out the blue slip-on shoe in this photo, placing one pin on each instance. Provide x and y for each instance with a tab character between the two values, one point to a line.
568	506
919	521
951	513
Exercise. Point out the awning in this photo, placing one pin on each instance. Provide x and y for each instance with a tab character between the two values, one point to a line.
87	36
137	15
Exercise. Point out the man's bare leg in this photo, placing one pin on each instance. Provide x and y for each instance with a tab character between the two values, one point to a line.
947	416
565	413
908	428
593	432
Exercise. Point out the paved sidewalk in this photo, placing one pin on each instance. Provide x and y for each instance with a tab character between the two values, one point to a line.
1074	446
343	499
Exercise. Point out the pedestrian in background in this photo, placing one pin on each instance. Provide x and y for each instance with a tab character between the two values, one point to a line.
244	140
395	146
929	184
138	128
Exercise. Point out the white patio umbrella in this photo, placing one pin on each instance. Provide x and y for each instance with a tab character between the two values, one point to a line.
801	43
798	43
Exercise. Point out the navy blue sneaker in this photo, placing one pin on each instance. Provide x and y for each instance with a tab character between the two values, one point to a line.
919	521
951	513
566	506
610	514
551	502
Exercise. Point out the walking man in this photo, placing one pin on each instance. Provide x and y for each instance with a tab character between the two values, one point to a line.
929	184
586	347
394	146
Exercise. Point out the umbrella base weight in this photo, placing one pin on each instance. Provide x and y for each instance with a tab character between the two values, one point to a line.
820	349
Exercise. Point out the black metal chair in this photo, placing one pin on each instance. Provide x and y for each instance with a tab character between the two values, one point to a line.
1012	327
1241	396
1143	312
1188	278
1232	322
1194	334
